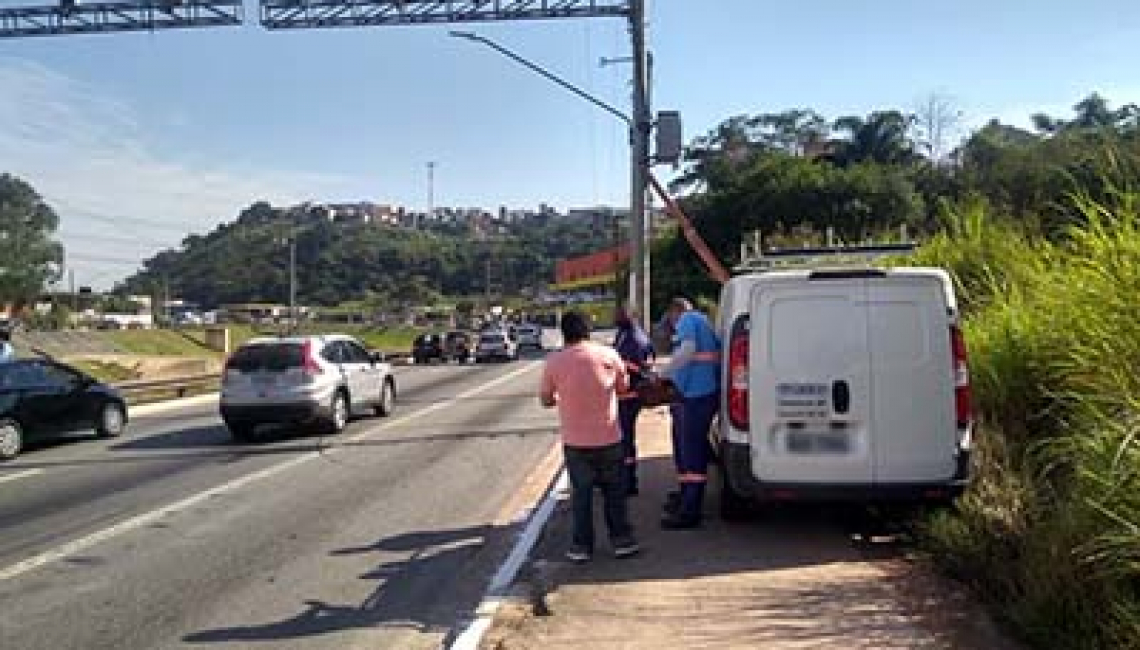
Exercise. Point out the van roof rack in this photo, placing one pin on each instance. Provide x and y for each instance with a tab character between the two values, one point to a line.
829	256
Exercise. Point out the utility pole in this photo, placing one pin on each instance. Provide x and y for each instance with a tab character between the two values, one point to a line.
71	290
293	281
639	145
431	190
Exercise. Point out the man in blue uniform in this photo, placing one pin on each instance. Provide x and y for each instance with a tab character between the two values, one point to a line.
695	369
634	347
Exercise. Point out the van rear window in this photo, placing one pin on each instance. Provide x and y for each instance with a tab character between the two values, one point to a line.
813	332
900	334
273	357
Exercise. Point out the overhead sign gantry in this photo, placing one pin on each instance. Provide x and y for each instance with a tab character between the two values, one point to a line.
277	14
77	17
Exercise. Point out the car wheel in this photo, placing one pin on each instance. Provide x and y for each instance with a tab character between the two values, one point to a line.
112	421
338	413
242	431
11	439
387	399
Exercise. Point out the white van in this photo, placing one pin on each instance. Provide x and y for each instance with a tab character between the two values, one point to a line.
842	385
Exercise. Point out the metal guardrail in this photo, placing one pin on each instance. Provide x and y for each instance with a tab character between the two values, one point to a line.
183	386
180	386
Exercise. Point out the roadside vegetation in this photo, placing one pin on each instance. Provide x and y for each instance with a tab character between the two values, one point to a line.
1050	532
1041	232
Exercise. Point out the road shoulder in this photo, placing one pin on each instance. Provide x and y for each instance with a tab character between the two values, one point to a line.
786	580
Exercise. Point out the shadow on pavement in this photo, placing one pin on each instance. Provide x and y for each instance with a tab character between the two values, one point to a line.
407	593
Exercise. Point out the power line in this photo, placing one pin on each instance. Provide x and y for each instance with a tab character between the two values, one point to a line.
112	238
183	227
108	259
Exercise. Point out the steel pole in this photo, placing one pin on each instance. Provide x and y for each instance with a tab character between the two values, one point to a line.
639	145
293	282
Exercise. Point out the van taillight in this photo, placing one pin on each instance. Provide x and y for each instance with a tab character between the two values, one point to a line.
738	375
309	364
963	402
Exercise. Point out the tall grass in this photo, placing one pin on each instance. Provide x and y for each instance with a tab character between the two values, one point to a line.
1050	531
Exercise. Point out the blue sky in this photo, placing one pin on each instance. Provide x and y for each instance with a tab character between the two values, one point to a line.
137	139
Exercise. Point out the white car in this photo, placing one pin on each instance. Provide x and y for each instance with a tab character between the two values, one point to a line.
303	380
846	384
494	345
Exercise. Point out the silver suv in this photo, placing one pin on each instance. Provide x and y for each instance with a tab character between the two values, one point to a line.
303	380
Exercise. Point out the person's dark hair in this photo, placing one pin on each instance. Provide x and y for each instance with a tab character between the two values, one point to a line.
575	327
680	303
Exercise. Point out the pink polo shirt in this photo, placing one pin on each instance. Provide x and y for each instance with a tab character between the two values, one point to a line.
585	379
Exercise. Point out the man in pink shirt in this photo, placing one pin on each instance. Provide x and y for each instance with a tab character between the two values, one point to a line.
583	380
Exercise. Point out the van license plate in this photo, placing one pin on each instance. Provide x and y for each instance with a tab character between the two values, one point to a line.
803	401
818	442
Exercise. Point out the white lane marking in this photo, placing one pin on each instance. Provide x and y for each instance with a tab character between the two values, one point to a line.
148	518
472	635
5	478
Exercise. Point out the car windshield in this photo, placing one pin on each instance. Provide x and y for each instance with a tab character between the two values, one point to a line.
271	357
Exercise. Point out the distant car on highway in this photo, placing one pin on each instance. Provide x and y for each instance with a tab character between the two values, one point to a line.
529	336
428	347
496	345
42	399
458	346
303	381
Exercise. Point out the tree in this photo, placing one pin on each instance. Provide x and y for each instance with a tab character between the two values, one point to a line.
937	120
882	137
29	256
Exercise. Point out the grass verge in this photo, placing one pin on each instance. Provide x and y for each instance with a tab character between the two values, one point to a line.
1049	534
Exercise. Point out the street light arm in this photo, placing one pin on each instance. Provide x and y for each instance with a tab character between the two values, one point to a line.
471	36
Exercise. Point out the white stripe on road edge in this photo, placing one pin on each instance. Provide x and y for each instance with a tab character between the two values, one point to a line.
4	478
148	518
472	635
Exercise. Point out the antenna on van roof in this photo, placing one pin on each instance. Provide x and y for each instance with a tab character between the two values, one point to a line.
753	256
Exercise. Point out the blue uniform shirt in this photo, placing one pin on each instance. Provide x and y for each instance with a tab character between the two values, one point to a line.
698	377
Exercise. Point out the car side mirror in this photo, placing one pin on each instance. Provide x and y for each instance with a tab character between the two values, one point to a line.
377	357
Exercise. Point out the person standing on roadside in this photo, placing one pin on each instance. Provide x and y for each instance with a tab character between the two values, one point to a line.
695	369
583	380
636	350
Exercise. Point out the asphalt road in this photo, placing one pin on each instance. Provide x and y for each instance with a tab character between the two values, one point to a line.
173	536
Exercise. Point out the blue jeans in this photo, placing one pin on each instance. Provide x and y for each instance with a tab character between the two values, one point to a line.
597	467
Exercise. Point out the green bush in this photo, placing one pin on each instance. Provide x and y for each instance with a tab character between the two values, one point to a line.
1050	531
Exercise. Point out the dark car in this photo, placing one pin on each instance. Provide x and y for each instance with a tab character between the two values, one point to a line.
427	347
41	399
459	346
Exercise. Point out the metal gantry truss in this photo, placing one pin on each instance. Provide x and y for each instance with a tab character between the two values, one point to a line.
76	17
287	14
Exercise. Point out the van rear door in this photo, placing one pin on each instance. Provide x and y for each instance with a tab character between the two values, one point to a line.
915	431
810	385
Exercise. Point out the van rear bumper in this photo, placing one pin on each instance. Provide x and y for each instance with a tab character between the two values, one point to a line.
736	460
